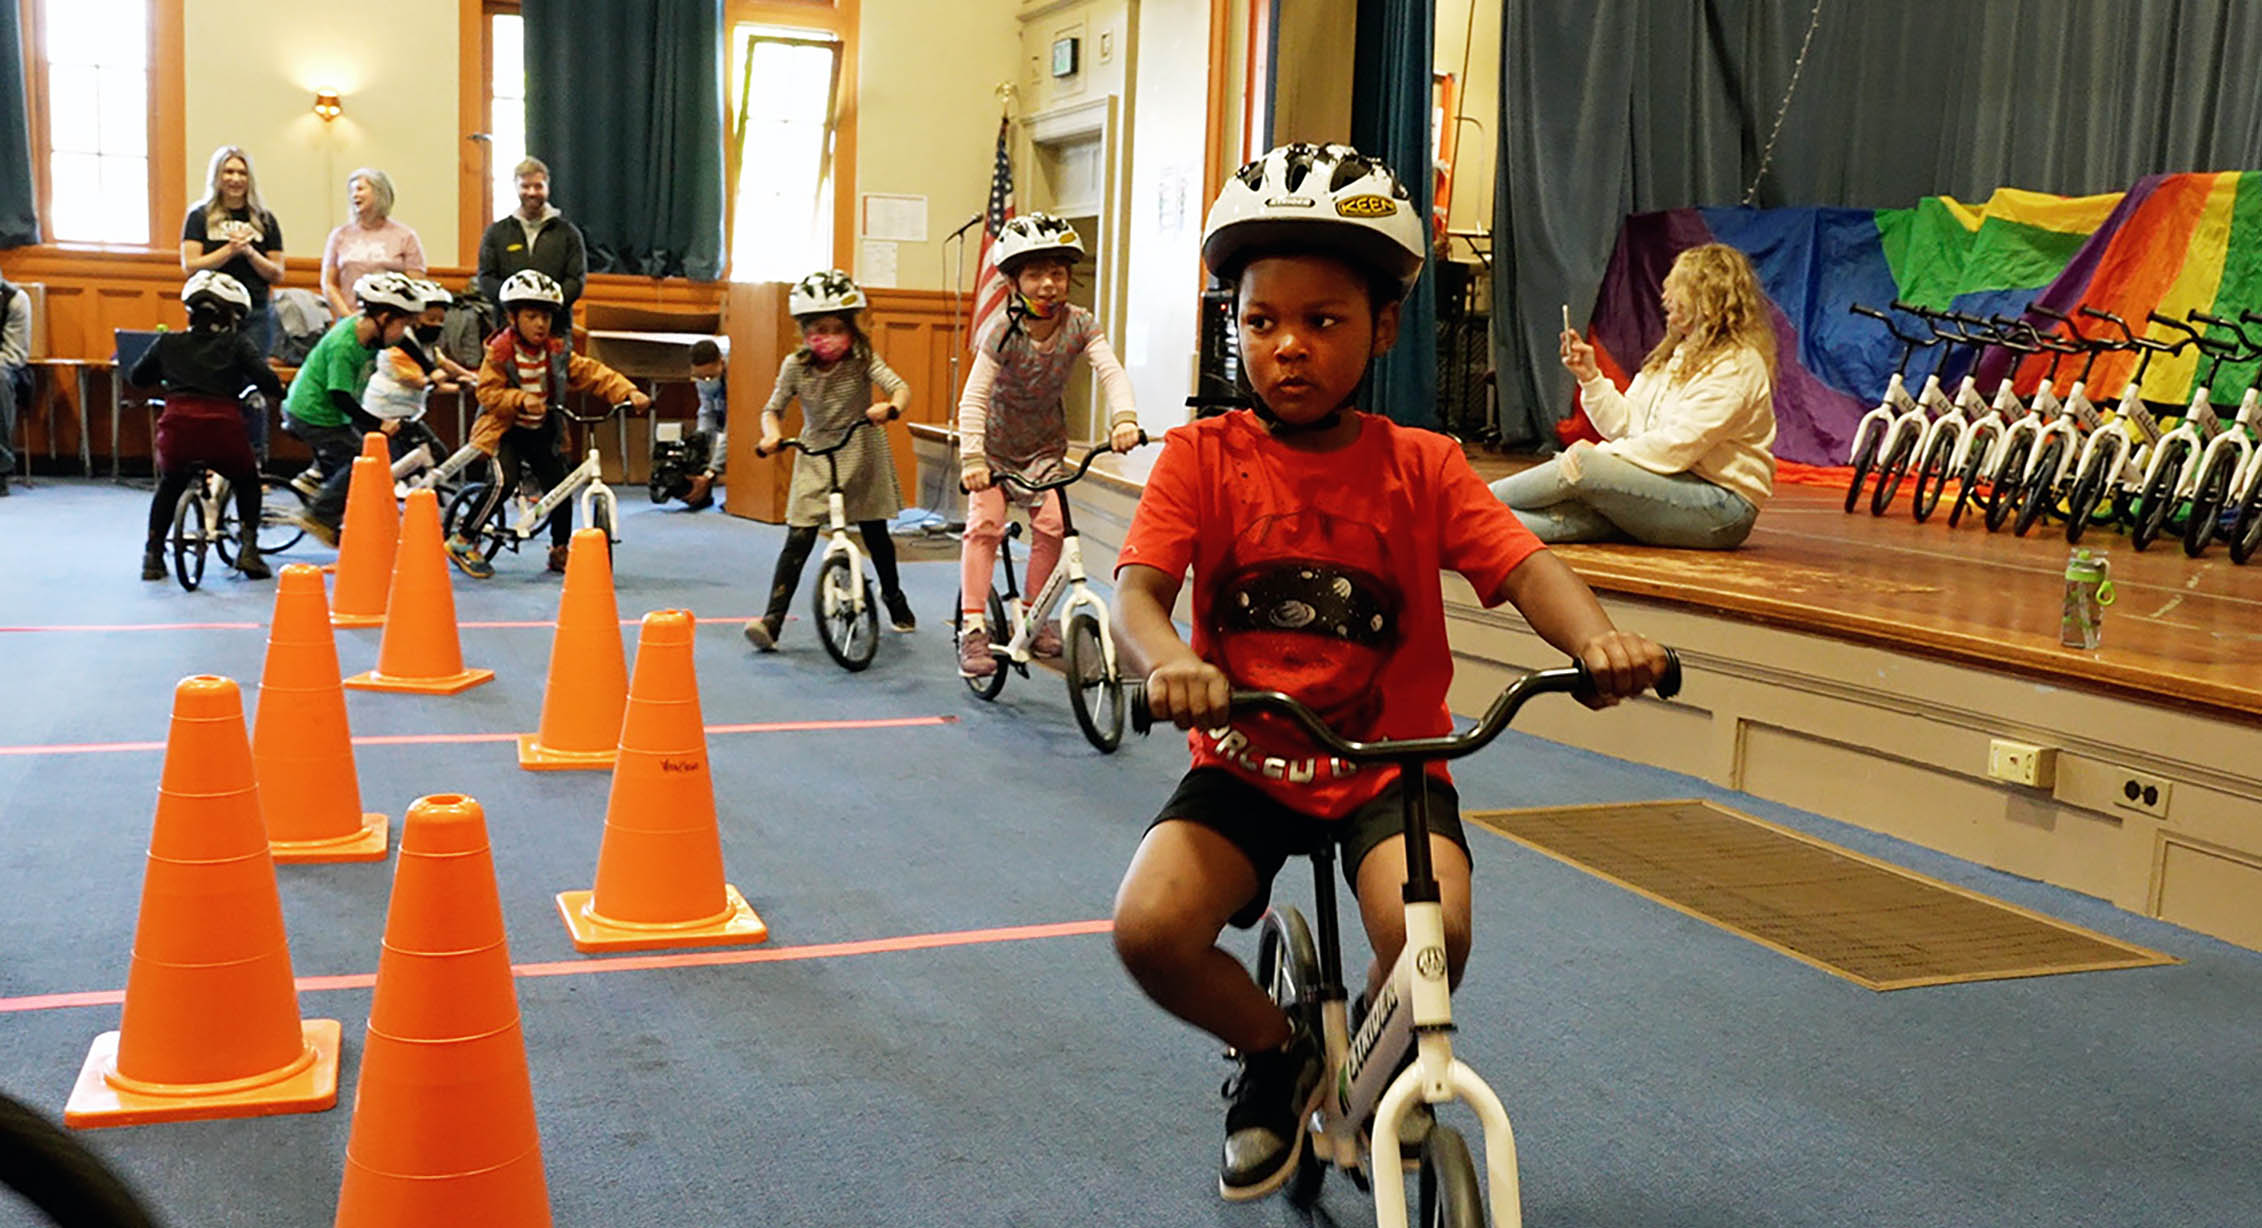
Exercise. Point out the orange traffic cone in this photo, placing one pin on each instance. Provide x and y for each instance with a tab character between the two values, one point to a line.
660	868
211	1025
443	1121
419	652
308	790
373	446
588	686
366	544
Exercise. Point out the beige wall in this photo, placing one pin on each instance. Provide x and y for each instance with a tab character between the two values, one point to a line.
927	117
252	69
1479	41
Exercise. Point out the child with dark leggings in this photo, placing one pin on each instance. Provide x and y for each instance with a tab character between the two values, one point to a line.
204	371
833	374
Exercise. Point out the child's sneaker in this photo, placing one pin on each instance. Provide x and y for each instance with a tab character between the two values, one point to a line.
307	482
761	634
558	559
1047	641
899	611
465	555
153	562
974	658
319	529
1267	1100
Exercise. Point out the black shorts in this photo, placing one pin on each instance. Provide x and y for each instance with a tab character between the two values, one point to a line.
1268	832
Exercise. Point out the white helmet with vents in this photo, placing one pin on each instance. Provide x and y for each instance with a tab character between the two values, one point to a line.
1324	196
213	286
433	294
393	290
1037	233
530	288
826	293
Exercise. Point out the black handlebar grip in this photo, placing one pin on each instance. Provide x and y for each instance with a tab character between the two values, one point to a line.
1142	716
1873	313
2211	321
2044	309
2095	314
2170	321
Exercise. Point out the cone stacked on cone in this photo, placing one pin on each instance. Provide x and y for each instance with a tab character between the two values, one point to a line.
588	684
309	792
367	543
443	1120
660	868
211	1025
419	652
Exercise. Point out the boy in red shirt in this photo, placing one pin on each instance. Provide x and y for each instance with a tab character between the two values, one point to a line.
1315	534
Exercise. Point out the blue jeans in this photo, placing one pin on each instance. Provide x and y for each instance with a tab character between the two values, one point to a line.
1614	500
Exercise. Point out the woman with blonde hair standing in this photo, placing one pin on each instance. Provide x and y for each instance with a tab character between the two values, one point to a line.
1685	459
230	231
371	242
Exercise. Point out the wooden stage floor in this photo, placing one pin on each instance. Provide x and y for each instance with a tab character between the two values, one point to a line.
2182	632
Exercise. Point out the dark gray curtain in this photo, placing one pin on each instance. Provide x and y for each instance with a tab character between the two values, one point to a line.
1390	106
1625	106
624	102
19	198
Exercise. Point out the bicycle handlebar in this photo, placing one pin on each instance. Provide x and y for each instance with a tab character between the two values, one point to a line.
1573	679
611	411
1077	475
805	449
1890	327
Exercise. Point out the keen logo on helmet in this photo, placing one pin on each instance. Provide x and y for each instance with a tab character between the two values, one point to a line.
1368	205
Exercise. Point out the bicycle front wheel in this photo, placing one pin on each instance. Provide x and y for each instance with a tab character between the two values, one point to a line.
848	620
987	686
2042	490
52	1172
2009	480
189	539
1932	476
1890	473
2158	501
1289	972
1451	1196
1095	689
2207	502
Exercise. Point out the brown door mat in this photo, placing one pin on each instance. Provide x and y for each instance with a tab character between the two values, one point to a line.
1872	923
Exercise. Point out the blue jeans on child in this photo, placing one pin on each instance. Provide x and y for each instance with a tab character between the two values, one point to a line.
1614	500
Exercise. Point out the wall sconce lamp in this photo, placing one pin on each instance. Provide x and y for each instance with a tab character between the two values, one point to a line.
327	106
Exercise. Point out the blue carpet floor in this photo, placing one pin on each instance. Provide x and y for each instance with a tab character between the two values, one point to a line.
1660	1071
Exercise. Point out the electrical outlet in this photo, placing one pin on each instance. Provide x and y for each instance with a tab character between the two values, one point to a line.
2022	763
2142	794
1107	46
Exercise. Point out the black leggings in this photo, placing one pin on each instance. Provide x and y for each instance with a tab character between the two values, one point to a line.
173	483
536	449
795	556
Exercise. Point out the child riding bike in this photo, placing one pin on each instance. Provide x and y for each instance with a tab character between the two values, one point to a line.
324	406
1315	534
203	371
522	388
833	374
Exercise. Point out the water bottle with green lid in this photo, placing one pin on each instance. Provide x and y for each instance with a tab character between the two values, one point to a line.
2088	591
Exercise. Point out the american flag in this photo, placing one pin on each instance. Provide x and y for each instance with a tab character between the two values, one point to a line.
990	285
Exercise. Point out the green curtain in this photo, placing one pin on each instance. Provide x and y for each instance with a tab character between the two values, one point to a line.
19	204
624	102
1390	106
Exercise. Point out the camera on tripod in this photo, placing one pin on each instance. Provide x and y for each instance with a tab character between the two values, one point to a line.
677	457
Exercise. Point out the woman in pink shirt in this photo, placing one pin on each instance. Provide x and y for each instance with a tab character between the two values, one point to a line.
371	243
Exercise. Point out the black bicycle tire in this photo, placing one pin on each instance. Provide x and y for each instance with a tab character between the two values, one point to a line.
2207	499
1288	971
601	517
488	538
2009	483
988	686
1451	1195
1975	459
187	543
1865	456
53	1172
1891	472
2158	499
2042	489
2088	492
279	533
840	641
1932	482
2246	531
1084	637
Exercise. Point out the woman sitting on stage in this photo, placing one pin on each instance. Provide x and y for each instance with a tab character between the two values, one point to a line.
1685	460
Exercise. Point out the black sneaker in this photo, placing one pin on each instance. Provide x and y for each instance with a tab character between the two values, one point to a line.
153	563
761	633
251	565
899	611
1267	1101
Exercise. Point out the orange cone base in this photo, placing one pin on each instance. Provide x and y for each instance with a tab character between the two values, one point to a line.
96	1102
535	757
368	844
356	620
453	684
736	927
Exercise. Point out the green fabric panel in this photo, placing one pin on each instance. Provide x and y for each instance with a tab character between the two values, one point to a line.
2241	287
1893	226
2017	256
1930	272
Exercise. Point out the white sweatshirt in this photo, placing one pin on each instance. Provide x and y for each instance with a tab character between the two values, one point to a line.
1718	425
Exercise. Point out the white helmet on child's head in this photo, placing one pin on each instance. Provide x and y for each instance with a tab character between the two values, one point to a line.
1330	197
827	293
530	288
433	294
213	286
394	290
1034	234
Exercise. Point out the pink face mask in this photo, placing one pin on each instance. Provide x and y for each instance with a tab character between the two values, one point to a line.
828	347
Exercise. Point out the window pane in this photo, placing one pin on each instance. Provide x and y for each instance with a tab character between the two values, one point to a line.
124	216
507	38
76	183
782	220
125	112
74	109
112	32
509	149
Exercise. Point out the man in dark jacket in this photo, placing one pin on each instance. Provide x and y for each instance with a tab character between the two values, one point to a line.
536	237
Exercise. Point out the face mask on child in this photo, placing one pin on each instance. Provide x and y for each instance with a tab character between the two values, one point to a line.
1041	311
427	333
828	347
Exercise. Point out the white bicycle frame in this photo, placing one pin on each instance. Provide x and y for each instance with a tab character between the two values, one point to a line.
1887	417
1959	416
2198	428
2112	431
1414	1007
583	481
838	540
2239	437
1031	614
417	471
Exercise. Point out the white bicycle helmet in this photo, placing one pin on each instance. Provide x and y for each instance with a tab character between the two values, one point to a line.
824	293
393	290
529	288
1328	196
213	286
433	294
1033	234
